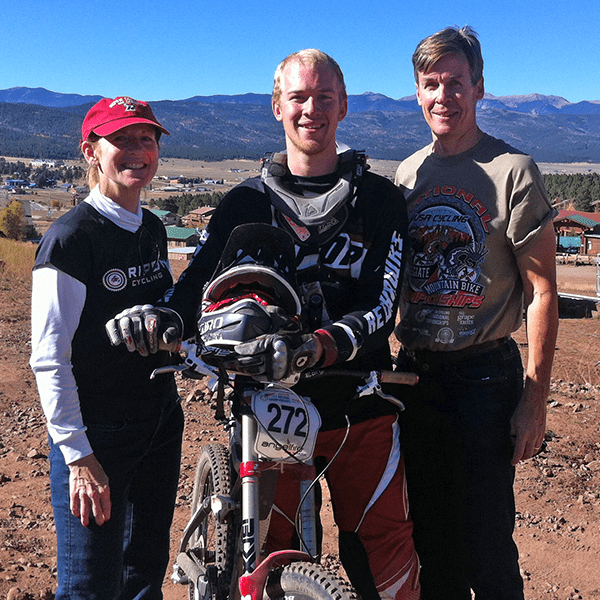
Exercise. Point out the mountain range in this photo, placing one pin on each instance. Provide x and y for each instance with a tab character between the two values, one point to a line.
35	122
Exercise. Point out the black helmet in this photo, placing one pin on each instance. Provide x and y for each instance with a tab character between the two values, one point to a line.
257	259
253	292
234	322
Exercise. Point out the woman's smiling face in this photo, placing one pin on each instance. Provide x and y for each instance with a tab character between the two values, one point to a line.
127	160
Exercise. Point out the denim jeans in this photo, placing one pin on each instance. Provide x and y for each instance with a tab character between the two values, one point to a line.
127	557
456	438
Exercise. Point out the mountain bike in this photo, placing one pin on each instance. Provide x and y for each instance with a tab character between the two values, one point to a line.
271	429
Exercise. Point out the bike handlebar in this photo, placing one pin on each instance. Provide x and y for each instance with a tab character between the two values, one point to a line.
400	377
196	365
386	376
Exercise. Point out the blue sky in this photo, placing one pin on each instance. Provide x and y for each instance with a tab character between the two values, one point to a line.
176	49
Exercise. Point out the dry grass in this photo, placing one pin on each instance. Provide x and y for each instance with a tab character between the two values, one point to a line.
17	257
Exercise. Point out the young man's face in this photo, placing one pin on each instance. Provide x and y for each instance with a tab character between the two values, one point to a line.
449	101
310	108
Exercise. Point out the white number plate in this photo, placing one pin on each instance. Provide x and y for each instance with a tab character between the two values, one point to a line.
287	424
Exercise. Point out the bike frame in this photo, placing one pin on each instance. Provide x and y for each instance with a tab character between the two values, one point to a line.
255	571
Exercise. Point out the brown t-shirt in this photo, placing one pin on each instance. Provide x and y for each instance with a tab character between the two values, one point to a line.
470	217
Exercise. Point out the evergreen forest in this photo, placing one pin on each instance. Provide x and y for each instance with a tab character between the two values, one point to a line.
43	176
578	191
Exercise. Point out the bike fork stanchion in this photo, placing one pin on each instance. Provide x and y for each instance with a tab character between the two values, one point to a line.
308	517
250	475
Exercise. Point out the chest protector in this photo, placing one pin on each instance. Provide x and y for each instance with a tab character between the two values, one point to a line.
311	218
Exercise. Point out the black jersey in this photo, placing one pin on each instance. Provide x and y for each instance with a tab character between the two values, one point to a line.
119	269
358	271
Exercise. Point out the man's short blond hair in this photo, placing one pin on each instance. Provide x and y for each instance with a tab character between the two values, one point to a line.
309	57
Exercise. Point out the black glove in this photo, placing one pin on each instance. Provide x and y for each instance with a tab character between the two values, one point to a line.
275	357
146	329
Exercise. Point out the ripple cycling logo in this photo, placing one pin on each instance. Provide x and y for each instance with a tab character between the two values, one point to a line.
114	280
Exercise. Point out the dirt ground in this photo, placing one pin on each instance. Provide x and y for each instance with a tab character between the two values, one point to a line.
558	492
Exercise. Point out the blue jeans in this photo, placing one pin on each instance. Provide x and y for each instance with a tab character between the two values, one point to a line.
127	557
456	437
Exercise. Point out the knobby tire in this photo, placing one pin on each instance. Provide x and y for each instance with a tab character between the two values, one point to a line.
307	581
213	543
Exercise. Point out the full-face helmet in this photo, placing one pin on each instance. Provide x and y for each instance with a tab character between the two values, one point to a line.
253	292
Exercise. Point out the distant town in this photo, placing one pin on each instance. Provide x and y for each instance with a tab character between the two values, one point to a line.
184	194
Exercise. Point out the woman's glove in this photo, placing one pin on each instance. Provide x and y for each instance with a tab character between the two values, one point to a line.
146	329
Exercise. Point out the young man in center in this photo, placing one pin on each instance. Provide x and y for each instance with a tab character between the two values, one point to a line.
348	226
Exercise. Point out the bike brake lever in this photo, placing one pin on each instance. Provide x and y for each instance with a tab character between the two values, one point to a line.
390	398
192	363
372	386
169	369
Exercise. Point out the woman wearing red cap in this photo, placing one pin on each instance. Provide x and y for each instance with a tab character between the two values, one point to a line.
115	434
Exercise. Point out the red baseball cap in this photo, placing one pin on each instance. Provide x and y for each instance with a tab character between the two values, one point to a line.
110	115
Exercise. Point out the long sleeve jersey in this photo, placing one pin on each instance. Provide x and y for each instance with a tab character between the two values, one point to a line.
358	272
92	263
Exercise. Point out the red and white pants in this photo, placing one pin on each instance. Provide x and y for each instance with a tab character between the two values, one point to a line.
368	493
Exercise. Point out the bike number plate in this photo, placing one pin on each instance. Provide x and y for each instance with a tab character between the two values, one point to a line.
288	424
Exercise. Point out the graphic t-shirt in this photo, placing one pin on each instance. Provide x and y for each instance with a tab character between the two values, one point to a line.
470	217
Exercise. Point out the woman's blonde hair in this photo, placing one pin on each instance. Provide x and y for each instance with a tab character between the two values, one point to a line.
93	175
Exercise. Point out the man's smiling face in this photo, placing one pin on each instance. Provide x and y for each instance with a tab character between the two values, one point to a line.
449	99
310	108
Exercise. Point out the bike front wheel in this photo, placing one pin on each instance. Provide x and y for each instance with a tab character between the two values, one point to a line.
307	581
212	544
